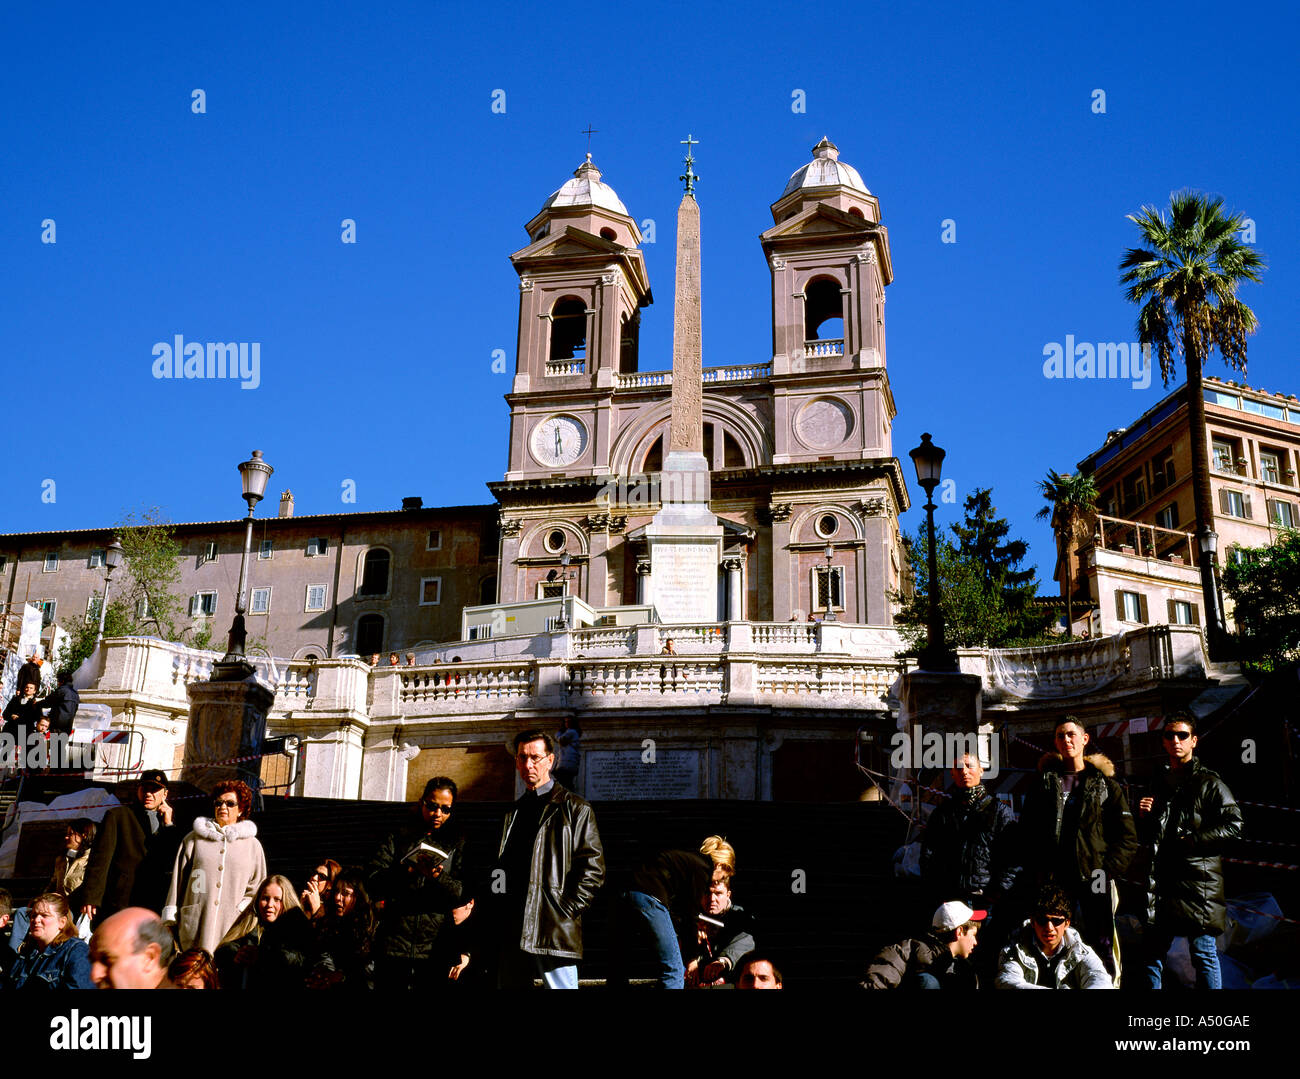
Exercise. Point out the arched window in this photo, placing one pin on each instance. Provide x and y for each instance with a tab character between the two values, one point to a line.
370	634
609	234
823	311
487	590
654	458
374	576
569	330
732	455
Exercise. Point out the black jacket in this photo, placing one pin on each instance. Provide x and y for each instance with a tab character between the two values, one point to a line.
28	672
679	879
1193	818
18	714
416	908
128	866
1107	836
283	951
63	704
968	847
926	955
568	869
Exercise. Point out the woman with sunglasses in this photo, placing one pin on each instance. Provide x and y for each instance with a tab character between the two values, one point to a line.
217	871
418	875
316	894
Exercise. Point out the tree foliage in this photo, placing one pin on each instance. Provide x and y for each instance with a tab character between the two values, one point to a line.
144	594
1265	592
985	598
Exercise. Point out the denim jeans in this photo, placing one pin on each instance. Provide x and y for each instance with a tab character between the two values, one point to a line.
1205	958
672	971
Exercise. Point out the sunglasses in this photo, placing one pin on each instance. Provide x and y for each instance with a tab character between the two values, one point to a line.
1053	920
434	807
227	803
1169	736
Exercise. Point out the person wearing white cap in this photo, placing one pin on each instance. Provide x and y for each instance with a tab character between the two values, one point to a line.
939	960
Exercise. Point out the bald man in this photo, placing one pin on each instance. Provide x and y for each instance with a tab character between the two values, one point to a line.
131	949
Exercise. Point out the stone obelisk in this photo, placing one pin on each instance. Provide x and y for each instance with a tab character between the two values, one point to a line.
685	538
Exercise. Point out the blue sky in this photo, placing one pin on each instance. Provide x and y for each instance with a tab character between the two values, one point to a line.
376	357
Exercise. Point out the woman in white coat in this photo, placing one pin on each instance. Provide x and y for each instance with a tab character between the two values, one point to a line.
218	868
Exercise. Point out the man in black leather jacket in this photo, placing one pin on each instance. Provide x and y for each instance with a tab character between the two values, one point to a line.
1187	819
549	867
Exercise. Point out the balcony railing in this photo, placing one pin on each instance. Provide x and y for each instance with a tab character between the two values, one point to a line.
1144	540
639	380
817	349
566	367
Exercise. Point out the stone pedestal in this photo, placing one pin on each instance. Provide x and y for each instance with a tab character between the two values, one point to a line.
939	721
227	721
685	542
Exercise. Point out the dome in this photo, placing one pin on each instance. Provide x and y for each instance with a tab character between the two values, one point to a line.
825	170
586	189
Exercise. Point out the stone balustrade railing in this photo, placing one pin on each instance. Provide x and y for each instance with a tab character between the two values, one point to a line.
711	376
644	678
566	367
785	636
850	681
823	348
620	639
464	683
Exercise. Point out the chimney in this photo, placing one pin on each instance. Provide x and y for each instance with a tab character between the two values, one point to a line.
286	504
415	503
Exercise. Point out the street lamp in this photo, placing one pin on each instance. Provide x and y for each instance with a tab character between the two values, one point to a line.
1215	630
233	667
830	585
566	576
928	459
112	559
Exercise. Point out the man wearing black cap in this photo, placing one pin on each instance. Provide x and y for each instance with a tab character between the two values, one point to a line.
135	849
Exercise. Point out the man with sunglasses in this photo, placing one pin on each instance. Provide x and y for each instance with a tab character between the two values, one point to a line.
1048	954
134	854
1187	820
418	891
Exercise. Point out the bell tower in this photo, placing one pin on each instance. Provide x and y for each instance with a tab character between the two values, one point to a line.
830	263
582	284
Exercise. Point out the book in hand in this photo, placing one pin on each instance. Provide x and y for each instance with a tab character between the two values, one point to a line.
426	857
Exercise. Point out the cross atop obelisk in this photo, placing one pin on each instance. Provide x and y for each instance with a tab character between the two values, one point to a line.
686	427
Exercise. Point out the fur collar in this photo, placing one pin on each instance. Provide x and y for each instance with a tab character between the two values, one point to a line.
242	829
1054	762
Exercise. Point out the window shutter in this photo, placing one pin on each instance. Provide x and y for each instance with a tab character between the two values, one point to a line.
1119	605
1245	506
1173	612
194	605
1196	613
1224	508
1142	609
837	586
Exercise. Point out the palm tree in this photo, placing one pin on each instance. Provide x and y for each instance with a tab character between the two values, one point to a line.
1186	280
1072	502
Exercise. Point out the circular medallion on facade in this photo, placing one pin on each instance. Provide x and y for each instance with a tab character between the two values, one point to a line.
558	441
824	423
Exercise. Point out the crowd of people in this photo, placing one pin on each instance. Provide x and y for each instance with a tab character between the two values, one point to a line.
1028	903
1031	903
133	903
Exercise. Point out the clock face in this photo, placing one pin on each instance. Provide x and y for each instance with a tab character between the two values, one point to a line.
559	440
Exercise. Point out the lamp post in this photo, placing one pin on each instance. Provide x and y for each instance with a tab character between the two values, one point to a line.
1215	630
112	559
830	585
566	575
928	459
233	667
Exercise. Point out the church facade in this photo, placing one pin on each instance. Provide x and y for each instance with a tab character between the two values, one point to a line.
804	481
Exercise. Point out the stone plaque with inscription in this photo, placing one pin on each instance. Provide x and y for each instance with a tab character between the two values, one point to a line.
613	774
685	579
